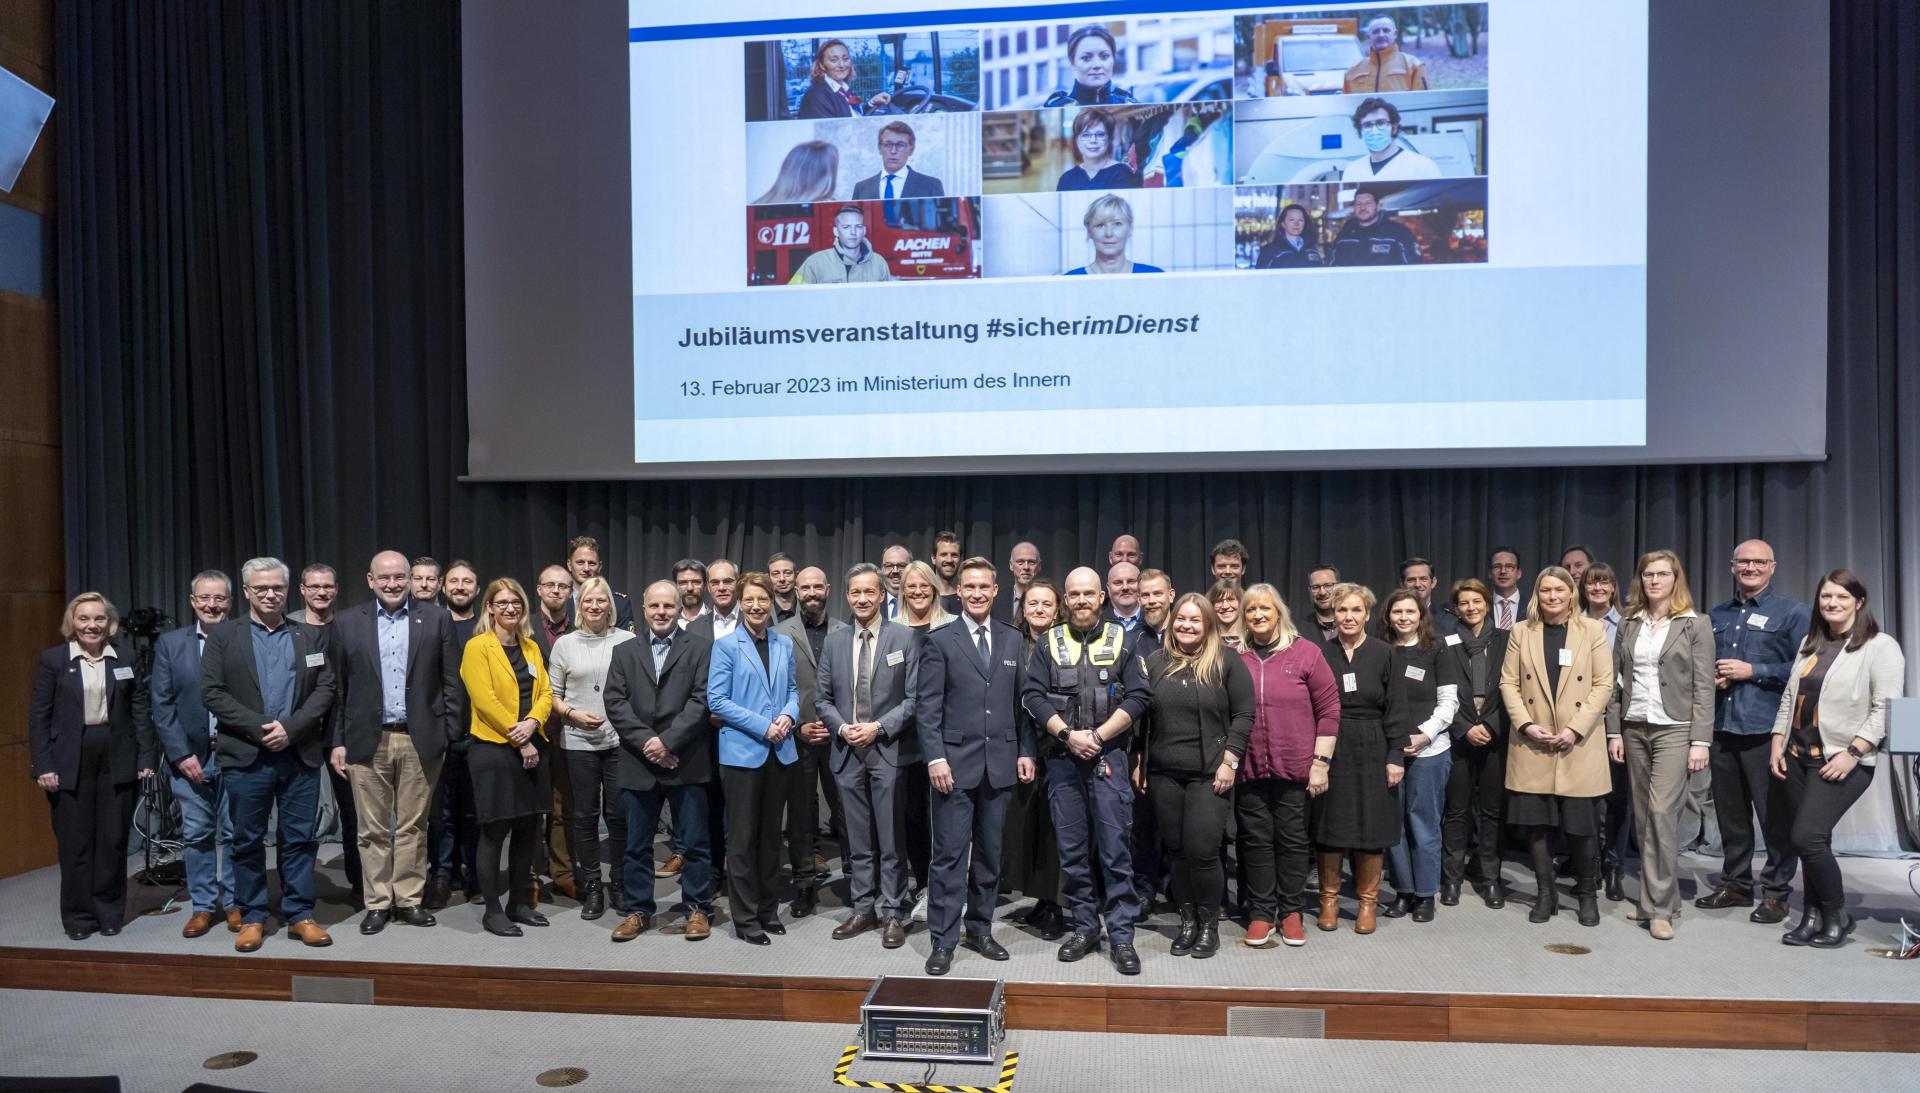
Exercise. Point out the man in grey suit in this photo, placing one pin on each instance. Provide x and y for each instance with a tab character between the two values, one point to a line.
810	629
865	695
895	179
976	746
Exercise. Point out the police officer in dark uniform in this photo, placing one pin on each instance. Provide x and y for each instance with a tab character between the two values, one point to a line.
1372	238
1087	686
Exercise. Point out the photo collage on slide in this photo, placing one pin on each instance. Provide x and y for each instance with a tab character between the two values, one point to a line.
1339	136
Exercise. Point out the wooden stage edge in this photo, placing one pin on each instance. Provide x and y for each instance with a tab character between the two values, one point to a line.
1072	1007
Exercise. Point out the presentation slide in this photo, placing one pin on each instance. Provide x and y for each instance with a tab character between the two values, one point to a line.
870	231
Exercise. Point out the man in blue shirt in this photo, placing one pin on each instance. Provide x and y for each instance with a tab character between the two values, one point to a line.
187	733
1756	635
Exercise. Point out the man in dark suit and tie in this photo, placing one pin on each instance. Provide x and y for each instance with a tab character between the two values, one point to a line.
397	709
810	629
657	701
865	694
895	179
976	748
186	734
893	573
269	681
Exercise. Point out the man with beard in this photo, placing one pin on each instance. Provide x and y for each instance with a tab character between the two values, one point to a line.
453	830
809	628
1319	626
1086	687
946	567
1155	590
781	573
690	588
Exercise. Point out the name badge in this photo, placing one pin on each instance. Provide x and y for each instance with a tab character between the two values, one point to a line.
1382	248
1416	673
1009	664
895	658
1453	639
1349	683
123	674
1566	658
316	660
1756	622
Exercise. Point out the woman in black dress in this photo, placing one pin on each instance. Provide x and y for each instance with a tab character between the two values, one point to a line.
508	692
1030	859
1359	813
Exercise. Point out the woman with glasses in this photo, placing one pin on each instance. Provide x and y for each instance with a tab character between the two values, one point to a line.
510	698
1224	596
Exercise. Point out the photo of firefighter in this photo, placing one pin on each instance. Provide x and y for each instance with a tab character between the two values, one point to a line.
1437	222
863	242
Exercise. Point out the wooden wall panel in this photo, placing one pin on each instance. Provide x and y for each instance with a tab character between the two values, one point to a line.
28	840
30	333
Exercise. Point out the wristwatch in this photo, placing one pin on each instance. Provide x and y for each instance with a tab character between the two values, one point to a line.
1854	750
1231	762
1327	759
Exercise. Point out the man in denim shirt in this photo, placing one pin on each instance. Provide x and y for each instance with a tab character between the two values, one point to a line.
1756	635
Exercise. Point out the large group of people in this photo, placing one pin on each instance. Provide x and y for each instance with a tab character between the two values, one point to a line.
1096	745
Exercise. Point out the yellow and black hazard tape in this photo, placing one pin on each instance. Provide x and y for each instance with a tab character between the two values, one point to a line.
1008	1066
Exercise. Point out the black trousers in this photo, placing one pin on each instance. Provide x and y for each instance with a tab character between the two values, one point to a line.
1274	846
1476	786
1814	806
755	796
91	819
594	778
803	811
1745	789
349	826
915	798
1192	822
519	835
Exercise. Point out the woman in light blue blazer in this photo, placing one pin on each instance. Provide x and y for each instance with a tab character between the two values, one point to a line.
750	689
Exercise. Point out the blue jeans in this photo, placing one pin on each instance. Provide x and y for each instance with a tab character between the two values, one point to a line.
690	835
204	828
1415	859
274	777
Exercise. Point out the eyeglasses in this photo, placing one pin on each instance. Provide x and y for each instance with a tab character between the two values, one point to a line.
507	605
210	600
894	146
265	589
1752	563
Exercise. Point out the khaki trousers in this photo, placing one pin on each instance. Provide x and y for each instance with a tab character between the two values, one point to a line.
1657	775
392	793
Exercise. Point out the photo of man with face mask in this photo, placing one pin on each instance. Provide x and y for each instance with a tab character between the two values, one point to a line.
1387	160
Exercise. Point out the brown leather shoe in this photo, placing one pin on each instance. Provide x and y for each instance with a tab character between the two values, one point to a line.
235	920
310	932
251	935
893	934
533	894
198	925
631	927
855	926
672	868
1329	891
564	886
698	927
1366	885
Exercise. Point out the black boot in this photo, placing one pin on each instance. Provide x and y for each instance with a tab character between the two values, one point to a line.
1584	855
1189	931
1423	909
1401	906
1546	900
1834	928
593	901
1450	893
1614	891
1812	922
1208	943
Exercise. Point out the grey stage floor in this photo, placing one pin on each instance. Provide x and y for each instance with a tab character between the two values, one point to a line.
160	1044
1467	949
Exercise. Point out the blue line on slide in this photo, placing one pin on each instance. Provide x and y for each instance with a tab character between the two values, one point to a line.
984	16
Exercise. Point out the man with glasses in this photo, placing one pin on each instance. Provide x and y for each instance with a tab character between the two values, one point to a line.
893	573
895	178
270	683
1504	573
320	589
1320	582
187	733
554	590
1756	635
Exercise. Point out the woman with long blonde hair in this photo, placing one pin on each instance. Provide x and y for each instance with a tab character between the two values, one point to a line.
1202	711
510	698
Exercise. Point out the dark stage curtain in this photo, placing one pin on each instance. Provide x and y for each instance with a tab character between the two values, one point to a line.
261	322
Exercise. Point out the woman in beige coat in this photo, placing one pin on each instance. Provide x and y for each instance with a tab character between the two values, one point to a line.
1556	681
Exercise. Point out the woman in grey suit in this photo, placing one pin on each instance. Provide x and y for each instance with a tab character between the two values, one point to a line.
1660	722
1826	739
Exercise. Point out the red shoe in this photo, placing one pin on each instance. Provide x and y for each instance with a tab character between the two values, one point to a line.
1259	934
1291	930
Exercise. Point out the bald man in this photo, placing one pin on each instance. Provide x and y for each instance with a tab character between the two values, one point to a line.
1126	549
1023	563
1123	595
399	688
809	627
1756	636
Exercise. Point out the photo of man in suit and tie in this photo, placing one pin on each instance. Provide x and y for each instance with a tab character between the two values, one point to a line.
976	747
896	179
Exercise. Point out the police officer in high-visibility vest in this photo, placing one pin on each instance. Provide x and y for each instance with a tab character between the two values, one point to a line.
1087	686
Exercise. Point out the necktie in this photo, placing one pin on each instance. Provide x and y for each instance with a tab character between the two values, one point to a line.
1506	614
986	651
889	191
863	680
893	607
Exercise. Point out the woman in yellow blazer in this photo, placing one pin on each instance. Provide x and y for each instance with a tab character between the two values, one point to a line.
507	691
1555	683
